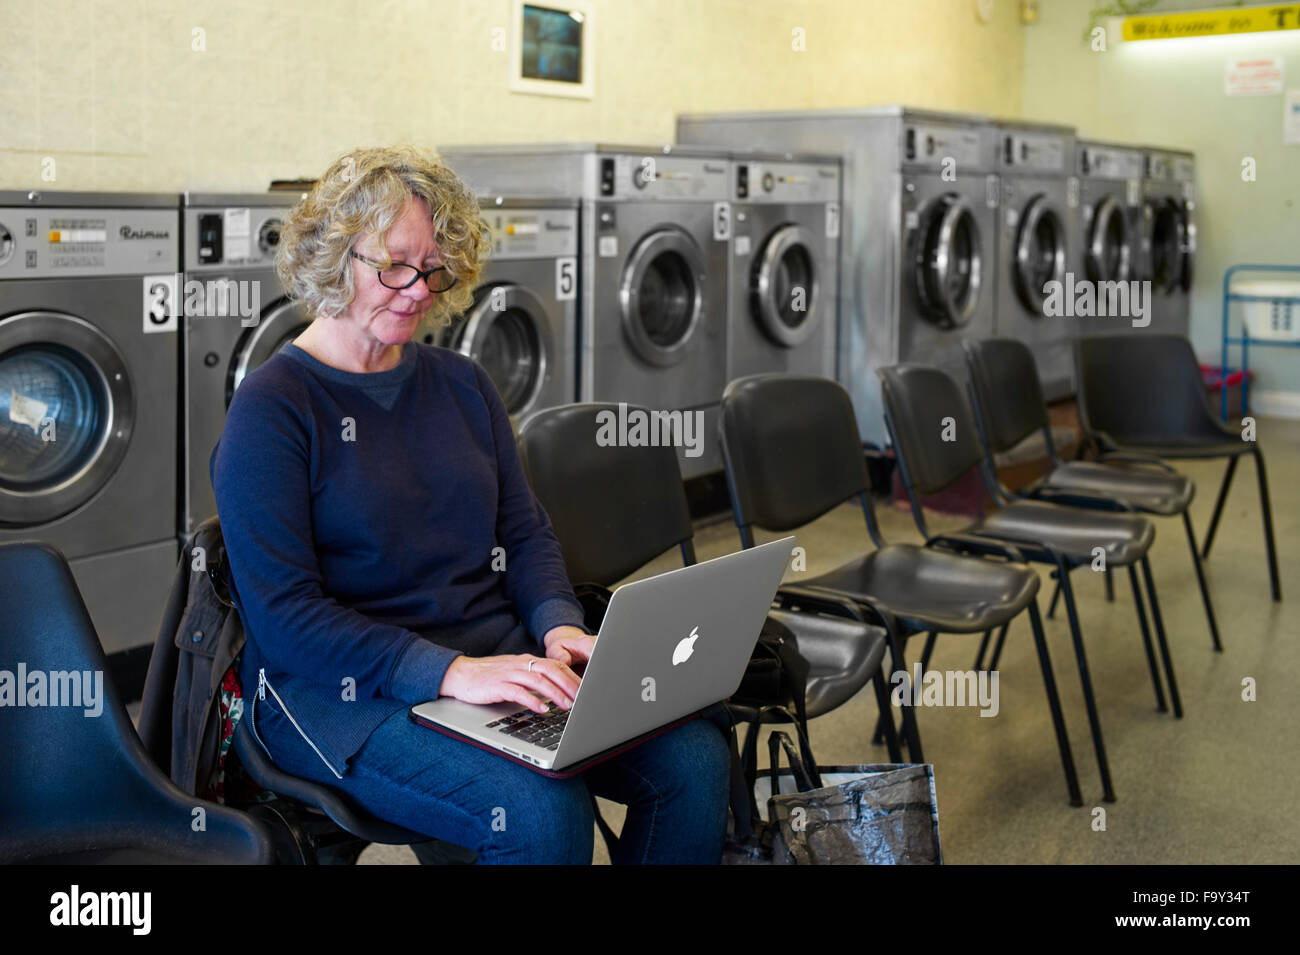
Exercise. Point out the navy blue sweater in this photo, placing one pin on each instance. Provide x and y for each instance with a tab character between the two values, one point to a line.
367	518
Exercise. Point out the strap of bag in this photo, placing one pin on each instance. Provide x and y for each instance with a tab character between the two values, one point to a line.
777	742
744	809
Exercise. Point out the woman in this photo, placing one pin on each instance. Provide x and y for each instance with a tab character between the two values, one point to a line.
367	487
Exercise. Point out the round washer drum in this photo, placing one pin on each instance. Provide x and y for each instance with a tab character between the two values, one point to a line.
1165	240
661	296
58	372
504	332
949	261
1040	253
788	262
280	324
1110	245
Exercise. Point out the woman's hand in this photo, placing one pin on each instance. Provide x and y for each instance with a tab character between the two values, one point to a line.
568	645
524	679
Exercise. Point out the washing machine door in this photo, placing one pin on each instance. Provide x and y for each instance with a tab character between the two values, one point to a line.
66	415
787	286
504	332
661	296
1164	241
1110	248
280	324
1039	253
949	263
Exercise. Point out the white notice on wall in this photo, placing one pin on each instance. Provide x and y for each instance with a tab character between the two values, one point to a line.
1254	76
1291	121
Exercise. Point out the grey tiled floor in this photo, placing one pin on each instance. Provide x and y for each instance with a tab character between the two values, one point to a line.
1218	786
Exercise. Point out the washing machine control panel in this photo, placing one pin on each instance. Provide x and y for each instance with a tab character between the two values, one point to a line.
1103	162
45	242
651	176
239	236
1040	152
936	146
772	182
532	233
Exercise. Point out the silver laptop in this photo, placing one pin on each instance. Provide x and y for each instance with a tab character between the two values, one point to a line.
669	646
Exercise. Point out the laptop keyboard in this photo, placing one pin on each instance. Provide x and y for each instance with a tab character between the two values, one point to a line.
540	729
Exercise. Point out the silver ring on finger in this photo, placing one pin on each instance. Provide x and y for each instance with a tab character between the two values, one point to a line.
530	665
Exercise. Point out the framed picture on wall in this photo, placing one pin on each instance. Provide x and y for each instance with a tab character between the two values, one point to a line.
551	47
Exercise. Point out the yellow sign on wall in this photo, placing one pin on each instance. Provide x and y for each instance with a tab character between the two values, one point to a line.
1173	26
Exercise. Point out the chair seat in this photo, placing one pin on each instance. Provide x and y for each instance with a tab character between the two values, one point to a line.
843	655
1073	531
1214	441
1145	489
929	589
329	801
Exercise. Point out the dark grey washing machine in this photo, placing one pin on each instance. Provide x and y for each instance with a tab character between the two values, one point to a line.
1167	230
1110	203
783	285
918	238
655	238
522	327
89	313
1036	247
227	238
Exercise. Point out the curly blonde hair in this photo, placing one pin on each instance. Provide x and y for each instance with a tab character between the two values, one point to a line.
366	190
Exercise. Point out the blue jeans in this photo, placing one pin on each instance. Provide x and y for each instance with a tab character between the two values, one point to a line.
675	787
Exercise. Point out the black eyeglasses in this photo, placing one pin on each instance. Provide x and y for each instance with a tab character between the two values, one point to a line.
399	275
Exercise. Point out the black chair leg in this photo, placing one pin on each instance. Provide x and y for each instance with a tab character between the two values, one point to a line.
1110	587
925	665
1161	705
984	645
1200	579
887	717
1054	702
1056	595
1218	506
997	649
878	735
929	649
1090	702
1267	509
1160	638
898	665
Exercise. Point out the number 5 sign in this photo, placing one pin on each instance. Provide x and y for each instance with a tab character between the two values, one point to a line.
566	278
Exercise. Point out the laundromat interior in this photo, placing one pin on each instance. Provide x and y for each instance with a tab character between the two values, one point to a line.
935	181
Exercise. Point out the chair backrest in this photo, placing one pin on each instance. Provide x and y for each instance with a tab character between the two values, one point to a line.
1008	393
1140	389
792	451
75	775
933	429
613	508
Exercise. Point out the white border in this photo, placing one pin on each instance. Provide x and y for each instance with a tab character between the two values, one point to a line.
518	83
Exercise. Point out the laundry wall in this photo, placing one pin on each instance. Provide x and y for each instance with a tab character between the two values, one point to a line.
117	96
1171	93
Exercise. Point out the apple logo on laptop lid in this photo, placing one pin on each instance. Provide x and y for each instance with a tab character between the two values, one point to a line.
686	647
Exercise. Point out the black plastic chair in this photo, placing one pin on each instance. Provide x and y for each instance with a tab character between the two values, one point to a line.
937	443
81	789
614	509
792	453
1145	394
1009	406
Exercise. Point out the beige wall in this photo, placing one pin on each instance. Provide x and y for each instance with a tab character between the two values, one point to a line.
1171	93
114	94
